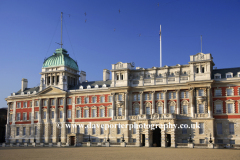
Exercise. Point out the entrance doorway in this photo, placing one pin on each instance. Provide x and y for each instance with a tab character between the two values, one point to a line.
168	140
143	139
72	138
156	137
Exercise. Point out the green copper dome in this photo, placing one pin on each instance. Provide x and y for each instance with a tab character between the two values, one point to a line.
60	58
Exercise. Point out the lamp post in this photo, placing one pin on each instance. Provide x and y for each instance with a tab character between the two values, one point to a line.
190	139
210	141
89	140
123	138
108	140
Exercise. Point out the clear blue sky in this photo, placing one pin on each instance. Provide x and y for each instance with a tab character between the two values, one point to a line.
30	28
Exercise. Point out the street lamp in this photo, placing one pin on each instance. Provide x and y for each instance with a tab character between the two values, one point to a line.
190	139
210	141
123	138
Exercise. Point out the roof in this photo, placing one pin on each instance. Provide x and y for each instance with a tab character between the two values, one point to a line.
92	84
226	70
31	90
60	58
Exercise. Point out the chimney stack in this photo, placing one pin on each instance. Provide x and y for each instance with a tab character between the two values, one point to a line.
82	76
24	84
106	75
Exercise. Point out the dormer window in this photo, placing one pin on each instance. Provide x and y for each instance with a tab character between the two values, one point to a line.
238	74
229	75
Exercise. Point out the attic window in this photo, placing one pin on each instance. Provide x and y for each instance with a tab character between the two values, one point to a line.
217	76
229	75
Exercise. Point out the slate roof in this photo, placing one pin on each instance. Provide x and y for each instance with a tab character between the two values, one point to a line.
28	89
226	70
92	84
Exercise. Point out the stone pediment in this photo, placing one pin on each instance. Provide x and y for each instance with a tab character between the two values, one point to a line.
50	91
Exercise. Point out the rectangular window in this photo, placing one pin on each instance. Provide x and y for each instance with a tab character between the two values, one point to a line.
160	110
162	95
18	116
134	129
201	108
17	132
101	130
30	115
110	112
30	130
150	96
135	97
23	140
148	110
118	129
51	130
185	109
110	98
61	102
78	129
118	140
119	111
69	100
218	92
35	130
231	128
170	95
86	100
172	109
45	103
200	92
139	97
36	115
102	99
69	114
120	97
36	103
19	105
94	140
218	108
24	116
184	141
230	108
94	129
174	95
86	113
25	104
101	112
44	115
232	141
24	131
220	141
94	113
136	110
229	92
61	114
219	128
187	94
229	76
94	99
134	140
201	129
182	94
78	113
78	100
158	96
52	102
85	129
202	141
101	140
145	96
52	114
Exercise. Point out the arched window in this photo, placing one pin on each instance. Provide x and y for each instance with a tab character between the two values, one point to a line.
202	69
197	70
121	77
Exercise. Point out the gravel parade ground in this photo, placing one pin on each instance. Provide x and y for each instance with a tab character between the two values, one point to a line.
117	153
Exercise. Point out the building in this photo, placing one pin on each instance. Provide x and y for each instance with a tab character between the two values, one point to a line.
3	122
194	93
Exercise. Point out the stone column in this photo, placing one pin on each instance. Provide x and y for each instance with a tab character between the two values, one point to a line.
13	127
163	137
32	122
63	129
141	103
126	105
55	124
113	105
55	80
173	139
47	125
138	138
14	113
51	80
178	102
165	101
39	124
192	102
153	102
48	108
147	137
209	97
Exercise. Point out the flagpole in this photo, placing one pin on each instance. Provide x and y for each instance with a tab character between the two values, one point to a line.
160	36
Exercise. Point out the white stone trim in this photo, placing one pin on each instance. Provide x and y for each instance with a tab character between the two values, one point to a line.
172	103
185	102
102	107
232	91
92	108
230	101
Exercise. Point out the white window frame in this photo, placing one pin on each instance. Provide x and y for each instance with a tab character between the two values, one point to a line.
86	112
201	92
94	99
102	99
120	109
18	116
231	127
78	111
94	109
79	100
101	111
217	75
24	116
232	93
86	100
219	94
24	104
203	108
229	75
69	114
218	102
69	101
110	112
18	104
